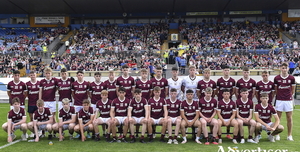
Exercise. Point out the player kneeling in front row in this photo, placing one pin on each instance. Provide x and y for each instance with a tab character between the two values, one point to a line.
173	106
102	108
85	119
226	112
263	113
244	115
16	119
138	111
42	121
66	119
207	111
189	111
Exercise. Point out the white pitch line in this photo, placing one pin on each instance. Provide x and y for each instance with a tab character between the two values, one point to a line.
10	144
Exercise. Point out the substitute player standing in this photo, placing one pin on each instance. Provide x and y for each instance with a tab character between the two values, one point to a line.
285	89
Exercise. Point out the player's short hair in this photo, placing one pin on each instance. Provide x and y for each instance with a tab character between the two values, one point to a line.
206	70
122	89
111	72
284	64
208	89
264	95
245	68
79	71
175	68
63	70
264	72
225	67
143	70
138	91
125	66
173	90
156	88
192	67
97	73
244	90
15	99
65	101
40	103
226	90
16	72
104	92
189	91
158	67
48	70
86	101
32	72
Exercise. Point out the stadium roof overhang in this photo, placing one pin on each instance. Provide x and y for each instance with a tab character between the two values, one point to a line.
139	6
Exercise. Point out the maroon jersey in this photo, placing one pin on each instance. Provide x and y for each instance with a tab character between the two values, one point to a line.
49	89
95	90
80	92
189	109
207	108
17	90
173	107
268	88
157	107
284	87
225	84
265	113
145	87
17	116
249	84
202	85
226	108
244	108
33	90
128	83
42	117
104	108
64	89
66	115
138	107
162	83
111	88
120	106
85	116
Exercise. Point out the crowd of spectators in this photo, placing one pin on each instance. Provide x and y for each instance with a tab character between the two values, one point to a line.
232	35
114	38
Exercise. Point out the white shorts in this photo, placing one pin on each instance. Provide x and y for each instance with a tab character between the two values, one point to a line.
173	119
93	106
104	120
42	127
59	103
265	128
12	107
138	120
51	105
121	120
77	108
156	121
225	120
284	106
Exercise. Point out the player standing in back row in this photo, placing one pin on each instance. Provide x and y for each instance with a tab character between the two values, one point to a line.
285	89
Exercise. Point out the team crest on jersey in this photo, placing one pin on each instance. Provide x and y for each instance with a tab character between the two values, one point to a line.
125	104
125	81
84	86
193	107
129	81
231	106
121	104
142	104
69	82
162	83
98	87
289	81
172	106
33	87
177	106
230	83
158	83
160	104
